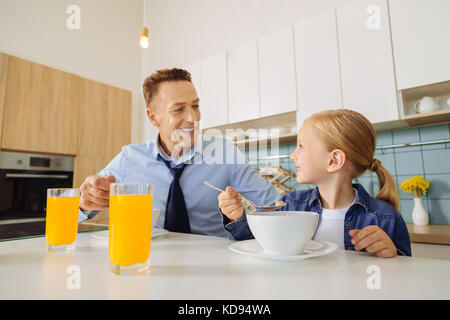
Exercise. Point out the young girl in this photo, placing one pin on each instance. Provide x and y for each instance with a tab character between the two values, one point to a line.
333	148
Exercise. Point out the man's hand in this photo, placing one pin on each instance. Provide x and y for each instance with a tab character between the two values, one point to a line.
95	192
374	240
230	204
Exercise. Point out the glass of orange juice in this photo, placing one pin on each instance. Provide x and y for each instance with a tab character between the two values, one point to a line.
61	223
130	227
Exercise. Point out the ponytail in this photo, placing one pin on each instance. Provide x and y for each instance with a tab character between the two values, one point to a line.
388	189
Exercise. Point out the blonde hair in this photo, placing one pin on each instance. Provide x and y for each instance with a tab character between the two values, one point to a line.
352	133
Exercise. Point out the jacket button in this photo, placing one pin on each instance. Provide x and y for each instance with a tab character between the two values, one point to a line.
348	225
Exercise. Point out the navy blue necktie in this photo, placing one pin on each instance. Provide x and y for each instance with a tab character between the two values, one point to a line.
176	218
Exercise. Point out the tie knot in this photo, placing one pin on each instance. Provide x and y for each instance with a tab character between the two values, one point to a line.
175	171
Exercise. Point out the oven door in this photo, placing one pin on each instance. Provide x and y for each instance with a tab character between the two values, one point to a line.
23	200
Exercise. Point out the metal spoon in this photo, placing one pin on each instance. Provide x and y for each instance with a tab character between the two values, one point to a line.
278	204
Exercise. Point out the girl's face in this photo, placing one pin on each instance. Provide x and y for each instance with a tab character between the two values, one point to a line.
310	157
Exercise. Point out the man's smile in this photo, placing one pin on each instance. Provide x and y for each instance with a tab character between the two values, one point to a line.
187	129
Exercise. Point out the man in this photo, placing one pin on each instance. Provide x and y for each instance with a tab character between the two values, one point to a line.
177	163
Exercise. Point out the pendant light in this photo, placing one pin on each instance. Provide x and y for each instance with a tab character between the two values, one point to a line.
144	31
144	37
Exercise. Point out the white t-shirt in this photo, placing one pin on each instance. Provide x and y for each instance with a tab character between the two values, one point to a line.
331	226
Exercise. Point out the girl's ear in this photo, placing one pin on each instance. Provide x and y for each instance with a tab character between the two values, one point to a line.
336	160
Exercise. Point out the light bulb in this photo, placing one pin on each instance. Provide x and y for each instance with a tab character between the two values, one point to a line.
144	37
144	42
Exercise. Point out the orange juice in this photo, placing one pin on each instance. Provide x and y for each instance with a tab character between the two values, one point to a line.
61	224
130	229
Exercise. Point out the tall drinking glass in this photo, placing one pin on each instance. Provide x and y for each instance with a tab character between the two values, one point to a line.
130	227
61	223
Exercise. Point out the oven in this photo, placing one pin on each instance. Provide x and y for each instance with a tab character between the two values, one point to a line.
24	180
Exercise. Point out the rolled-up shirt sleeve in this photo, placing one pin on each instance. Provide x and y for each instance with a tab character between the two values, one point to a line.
239	229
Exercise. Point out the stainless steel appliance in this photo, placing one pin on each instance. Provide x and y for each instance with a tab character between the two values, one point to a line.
24	180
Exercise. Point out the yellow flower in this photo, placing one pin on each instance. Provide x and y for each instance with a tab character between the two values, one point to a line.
415	183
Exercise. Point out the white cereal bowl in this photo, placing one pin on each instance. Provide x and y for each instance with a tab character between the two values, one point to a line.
283	232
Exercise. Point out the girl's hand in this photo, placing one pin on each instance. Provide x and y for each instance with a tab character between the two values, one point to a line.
374	240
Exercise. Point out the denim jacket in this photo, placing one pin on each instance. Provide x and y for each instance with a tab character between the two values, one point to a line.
364	212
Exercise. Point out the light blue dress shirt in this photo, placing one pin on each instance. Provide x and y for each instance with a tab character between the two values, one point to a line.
214	159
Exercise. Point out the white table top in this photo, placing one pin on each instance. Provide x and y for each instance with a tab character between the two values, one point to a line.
202	267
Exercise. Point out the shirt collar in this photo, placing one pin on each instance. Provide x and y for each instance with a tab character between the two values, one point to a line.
157	149
315	196
362	197
204	151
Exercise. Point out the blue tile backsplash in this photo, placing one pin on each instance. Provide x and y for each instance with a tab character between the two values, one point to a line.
430	161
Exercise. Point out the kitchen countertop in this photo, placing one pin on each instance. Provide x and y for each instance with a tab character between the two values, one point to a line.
186	266
433	234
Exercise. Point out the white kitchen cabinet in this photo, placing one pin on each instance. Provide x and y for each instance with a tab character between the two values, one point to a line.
367	68
214	91
195	71
421	41
317	64
277	72
243	87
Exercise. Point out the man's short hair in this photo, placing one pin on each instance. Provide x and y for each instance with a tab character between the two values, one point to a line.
150	86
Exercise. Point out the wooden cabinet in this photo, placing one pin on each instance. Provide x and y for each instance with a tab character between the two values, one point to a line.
367	68
105	119
243	86
420	37
51	111
86	166
104	127
318	66
3	77
214	91
277	73
41	109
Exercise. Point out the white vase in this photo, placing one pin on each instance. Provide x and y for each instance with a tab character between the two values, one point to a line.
419	214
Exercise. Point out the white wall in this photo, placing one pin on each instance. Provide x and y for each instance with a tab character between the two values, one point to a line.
105	49
186	31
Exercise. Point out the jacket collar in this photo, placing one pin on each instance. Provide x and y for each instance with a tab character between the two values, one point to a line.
362	197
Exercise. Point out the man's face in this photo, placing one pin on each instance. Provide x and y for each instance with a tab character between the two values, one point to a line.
175	112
